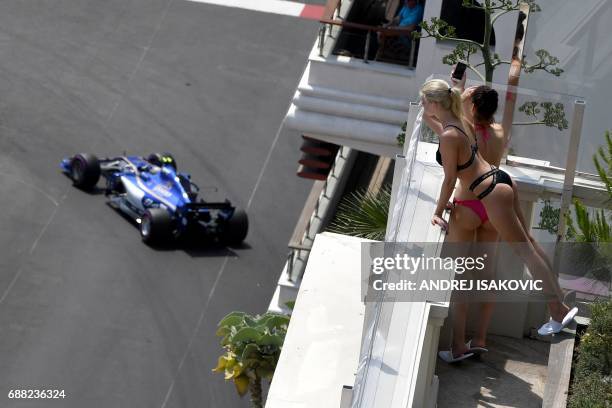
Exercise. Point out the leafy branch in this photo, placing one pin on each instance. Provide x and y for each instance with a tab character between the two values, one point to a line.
441	30
463	52
549	218
401	137
546	62
595	227
465	48
588	227
544	113
604	168
508	5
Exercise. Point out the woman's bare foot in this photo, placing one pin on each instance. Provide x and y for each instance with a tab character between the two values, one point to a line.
477	342
558	310
459	349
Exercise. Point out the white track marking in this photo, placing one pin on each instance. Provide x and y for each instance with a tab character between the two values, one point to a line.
219	274
195	331
30	252
285	8
143	54
263	168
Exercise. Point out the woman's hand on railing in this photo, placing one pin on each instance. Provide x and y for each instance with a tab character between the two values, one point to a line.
439	221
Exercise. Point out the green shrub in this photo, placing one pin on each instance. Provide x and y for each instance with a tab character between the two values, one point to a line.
592	386
593	392
593	355
601	320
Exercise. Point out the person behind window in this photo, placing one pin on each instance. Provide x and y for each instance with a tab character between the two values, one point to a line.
410	15
408	18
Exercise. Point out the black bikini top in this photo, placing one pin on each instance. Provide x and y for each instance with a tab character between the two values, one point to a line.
467	163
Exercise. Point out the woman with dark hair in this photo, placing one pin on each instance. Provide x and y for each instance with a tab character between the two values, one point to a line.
486	198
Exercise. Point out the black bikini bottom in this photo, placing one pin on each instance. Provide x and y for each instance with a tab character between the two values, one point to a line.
499	177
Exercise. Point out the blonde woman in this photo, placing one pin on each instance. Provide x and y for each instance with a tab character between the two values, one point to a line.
483	183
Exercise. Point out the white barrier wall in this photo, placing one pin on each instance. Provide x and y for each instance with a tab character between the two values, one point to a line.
321	349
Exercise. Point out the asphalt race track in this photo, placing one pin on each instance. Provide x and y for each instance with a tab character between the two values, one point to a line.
85	306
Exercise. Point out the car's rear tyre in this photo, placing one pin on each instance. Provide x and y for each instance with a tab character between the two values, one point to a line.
162	159
85	170
236	229
156	226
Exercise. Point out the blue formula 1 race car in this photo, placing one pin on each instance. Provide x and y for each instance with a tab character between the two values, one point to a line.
161	200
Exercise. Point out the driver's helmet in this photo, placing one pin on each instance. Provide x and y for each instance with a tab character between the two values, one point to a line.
162	160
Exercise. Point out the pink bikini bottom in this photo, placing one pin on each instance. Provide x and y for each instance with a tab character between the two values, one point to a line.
476	206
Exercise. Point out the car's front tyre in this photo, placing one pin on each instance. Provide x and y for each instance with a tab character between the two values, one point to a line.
85	170
156	226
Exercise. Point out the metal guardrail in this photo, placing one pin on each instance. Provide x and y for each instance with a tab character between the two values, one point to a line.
296	243
317	210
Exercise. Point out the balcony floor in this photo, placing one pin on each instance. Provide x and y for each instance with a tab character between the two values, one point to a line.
511	374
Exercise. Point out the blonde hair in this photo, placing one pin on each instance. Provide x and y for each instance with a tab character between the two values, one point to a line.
438	90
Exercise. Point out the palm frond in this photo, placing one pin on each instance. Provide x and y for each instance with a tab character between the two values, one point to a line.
363	214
